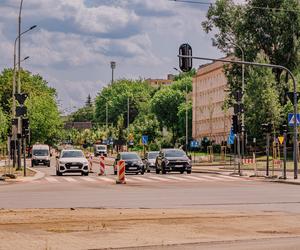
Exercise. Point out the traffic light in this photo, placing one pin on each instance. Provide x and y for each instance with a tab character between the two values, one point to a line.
185	63
235	124
238	95
25	127
238	108
21	111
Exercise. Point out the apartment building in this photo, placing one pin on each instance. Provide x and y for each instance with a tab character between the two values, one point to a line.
209	118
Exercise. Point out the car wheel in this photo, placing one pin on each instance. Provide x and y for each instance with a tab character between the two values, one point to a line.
157	169
115	172
85	173
189	171
32	165
142	172
182	171
49	165
148	170
58	173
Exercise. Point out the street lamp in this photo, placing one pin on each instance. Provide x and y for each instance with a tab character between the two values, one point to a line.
112	66
186	115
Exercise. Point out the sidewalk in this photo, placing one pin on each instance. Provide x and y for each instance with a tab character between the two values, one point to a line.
275	176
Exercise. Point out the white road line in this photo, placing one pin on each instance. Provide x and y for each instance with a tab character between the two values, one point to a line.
51	179
89	179
198	178
159	178
70	179
177	178
143	179
216	178
107	179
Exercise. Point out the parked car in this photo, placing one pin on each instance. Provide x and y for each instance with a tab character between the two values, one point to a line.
133	163
72	161
150	159
40	155
169	160
100	150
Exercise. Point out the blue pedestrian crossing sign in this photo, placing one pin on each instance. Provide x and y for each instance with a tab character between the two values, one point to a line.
194	144
230	139
292	120
144	139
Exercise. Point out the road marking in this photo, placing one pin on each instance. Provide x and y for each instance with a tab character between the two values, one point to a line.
159	178
217	178
198	178
107	179
89	179
70	179
142	179
177	178
51	179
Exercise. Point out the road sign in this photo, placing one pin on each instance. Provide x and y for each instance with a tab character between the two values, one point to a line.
291	119
21	110
281	139
130	143
194	144
21	97
230	139
144	139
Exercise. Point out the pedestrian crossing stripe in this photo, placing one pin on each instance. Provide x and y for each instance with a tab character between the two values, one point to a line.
146	179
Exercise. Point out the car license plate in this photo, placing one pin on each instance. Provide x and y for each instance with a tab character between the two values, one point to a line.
73	167
178	166
132	168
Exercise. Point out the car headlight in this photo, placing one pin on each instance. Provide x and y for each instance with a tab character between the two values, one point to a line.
140	162
61	163
167	162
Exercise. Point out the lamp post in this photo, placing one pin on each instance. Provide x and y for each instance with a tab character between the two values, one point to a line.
14	127
112	66
186	115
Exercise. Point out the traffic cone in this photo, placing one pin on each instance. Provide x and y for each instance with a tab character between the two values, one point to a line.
102	166
121	172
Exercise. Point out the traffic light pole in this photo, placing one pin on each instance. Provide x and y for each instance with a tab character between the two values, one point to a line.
268	153
189	64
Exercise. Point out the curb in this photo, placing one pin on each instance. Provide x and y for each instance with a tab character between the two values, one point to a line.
286	182
38	175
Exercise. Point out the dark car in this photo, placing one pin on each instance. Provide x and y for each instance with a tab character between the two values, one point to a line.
133	163
150	159
169	160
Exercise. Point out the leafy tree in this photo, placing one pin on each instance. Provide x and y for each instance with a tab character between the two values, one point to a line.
45	122
116	97
165	104
3	126
83	114
261	99
271	26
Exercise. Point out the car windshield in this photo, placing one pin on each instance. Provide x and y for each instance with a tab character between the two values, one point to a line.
175	153
72	154
152	155
101	148
130	157
40	152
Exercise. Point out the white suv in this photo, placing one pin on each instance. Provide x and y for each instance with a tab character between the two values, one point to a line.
72	161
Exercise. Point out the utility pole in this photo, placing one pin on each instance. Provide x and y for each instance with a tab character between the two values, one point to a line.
128	112
186	120
112	66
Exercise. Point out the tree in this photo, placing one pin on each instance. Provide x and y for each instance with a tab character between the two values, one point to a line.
88	102
261	99
44	119
271	26
116	97
3	126
165	104
84	114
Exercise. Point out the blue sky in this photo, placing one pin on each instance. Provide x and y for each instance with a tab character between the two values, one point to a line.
76	40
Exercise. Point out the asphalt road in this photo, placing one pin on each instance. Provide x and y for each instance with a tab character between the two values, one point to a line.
150	191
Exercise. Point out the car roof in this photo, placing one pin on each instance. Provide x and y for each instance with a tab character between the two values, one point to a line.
128	153
171	149
156	152
71	150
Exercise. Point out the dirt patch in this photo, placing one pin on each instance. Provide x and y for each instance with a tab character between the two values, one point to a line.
17	173
108	228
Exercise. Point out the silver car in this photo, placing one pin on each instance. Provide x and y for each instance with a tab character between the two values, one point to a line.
150	159
72	161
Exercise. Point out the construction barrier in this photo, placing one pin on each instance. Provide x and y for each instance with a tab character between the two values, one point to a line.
249	161
121	172
102	166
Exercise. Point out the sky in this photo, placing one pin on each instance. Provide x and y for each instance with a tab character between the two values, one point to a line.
75	41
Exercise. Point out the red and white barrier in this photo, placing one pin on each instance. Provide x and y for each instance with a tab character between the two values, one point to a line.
121	172
102	166
90	162
277	162
249	161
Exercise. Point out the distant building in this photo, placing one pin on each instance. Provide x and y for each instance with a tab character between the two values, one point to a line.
78	125
209	119
161	82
